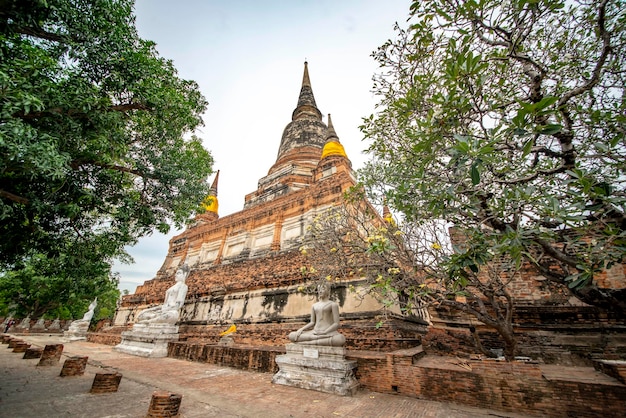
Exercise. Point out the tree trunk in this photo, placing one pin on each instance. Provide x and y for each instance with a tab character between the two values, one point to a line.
510	343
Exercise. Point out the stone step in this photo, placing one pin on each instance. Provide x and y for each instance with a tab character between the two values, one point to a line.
613	368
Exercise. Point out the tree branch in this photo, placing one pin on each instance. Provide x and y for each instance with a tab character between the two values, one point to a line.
606	49
14	197
554	253
78	163
39	33
79	113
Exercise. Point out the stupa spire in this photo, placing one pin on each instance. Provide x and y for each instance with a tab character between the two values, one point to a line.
210	203
332	146
306	101
213	190
387	216
306	81
331	130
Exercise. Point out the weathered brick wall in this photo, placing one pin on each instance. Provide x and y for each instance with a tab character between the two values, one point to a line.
512	387
566	316
553	334
449	341
275	268
360	334
247	358
529	287
104	338
372	369
613	278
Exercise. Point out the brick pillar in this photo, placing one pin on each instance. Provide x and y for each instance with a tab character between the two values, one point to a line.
32	352
106	382
278	228
20	347
164	405
14	341
74	366
51	355
220	252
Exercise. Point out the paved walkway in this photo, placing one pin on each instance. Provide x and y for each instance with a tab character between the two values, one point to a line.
208	390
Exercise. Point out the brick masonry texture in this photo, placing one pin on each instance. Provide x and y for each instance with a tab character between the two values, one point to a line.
164	405
74	366
106	382
51	355
521	387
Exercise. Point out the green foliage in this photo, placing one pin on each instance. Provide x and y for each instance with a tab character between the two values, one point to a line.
412	267
95	148
59	288
507	120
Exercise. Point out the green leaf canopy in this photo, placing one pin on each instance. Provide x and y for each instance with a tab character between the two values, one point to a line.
507	119
96	143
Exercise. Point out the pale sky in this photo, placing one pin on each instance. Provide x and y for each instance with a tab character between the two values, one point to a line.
248	57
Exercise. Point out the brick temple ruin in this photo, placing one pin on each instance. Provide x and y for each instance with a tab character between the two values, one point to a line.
246	267
246	270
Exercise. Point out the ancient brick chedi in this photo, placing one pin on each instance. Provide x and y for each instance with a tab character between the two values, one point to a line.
246	267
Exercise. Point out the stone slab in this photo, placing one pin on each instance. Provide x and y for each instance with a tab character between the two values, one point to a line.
77	331
319	368
149	340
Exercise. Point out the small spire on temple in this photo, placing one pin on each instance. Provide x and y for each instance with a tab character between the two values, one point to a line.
332	147
210	203
387	216
214	184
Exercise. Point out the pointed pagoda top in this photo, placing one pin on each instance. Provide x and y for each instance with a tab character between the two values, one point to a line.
213	189
386	211
332	146
331	130
387	216
210	203
304	137
306	101
306	81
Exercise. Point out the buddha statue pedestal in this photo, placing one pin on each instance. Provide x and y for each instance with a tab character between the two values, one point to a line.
316	367
77	331
148	340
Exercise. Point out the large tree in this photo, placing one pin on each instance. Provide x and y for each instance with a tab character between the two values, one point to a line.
508	120
59	287
411	267
96	144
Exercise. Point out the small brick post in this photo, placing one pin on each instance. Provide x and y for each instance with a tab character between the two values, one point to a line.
32	352
74	366
164	405
51	355
20	347
6	339
14	341
106	382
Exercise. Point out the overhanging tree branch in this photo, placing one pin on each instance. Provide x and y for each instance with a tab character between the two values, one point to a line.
14	197
597	71
39	33
79	113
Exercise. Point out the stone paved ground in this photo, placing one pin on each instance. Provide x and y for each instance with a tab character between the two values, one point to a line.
27	390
